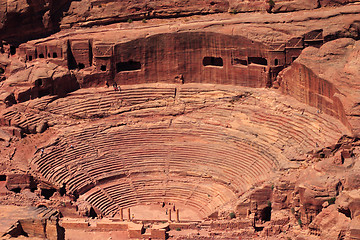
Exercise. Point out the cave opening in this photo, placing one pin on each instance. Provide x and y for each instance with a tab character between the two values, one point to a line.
62	190
345	211
266	214
38	82
71	59
2	70
81	66
2	178
237	61
103	68
258	60
276	62
16	190
128	66
47	193
30	58
213	61
92	213
339	187
12	50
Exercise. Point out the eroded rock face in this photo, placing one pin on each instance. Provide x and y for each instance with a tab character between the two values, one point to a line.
22	20
40	18
327	78
330	224
37	80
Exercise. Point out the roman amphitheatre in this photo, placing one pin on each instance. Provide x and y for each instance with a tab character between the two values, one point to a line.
222	119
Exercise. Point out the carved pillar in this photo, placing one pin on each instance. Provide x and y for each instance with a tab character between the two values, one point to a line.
121	214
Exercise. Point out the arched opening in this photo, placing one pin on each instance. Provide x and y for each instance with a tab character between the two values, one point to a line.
213	61
103	68
41	55
55	55
276	62
30	58
128	66
49	55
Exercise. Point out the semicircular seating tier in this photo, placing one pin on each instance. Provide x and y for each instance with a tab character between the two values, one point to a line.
204	157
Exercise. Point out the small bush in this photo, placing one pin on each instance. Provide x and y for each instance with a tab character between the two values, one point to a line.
130	20
331	200
234	11
300	222
144	20
271	3
232	215
272	187
269	204
178	229
292	210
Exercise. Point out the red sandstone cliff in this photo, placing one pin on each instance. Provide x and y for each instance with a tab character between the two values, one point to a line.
24	20
327	78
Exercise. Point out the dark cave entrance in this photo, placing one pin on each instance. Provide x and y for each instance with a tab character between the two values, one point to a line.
128	66
265	214
258	60
47	193
81	66
92	213
213	61
16	190
237	61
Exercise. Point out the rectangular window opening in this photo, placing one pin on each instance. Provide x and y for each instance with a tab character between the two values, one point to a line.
213	61
128	66
237	61
258	60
